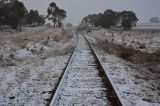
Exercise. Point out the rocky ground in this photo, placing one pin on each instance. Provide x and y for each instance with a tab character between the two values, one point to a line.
31	63
132	59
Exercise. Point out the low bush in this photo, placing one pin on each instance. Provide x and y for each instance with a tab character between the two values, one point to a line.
23	45
126	53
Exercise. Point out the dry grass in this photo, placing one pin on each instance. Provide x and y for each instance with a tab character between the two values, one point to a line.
127	53
19	40
7	62
23	45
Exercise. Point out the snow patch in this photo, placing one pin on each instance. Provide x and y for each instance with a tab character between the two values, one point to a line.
24	53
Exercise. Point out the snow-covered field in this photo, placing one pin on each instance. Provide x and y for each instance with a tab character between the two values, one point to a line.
31	63
136	78
142	40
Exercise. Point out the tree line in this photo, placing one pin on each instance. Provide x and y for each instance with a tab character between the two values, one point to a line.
14	14
155	20
109	18
56	14
32	18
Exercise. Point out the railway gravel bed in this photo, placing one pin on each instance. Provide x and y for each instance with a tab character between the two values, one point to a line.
83	84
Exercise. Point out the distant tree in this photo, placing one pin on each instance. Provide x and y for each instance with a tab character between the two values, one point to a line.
111	18
52	13
3	13
126	24
69	25
155	20
41	20
12	13
129	19
33	18
61	14
108	18
98	20
85	20
16	12
104	20
90	19
20	11
56	14
30	17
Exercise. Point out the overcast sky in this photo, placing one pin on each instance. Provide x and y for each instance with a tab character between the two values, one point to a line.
77	9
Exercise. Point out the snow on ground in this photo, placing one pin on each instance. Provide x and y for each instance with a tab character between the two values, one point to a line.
23	53
31	85
133	91
145	41
31	63
138	84
82	84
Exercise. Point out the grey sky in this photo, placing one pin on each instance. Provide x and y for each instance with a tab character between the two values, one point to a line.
77	9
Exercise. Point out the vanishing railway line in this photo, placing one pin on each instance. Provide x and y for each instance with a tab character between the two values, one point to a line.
85	82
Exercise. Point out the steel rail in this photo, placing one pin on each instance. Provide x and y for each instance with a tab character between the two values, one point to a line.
108	78
64	74
114	97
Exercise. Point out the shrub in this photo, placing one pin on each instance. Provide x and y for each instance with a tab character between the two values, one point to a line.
23	45
126	53
142	46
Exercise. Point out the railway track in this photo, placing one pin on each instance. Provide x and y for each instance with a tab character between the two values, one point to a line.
84	82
